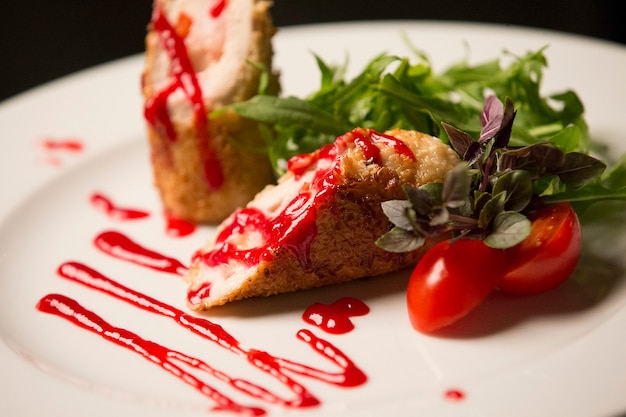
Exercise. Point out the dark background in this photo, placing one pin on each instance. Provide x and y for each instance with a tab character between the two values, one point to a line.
43	40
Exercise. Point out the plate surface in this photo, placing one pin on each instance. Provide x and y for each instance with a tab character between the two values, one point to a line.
557	354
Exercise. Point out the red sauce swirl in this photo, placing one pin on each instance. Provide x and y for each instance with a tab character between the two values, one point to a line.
183	78
294	228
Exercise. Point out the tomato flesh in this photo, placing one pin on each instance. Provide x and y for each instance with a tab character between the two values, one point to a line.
548	256
451	280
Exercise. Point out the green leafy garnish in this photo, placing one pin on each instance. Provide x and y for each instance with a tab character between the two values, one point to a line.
489	195
394	92
509	168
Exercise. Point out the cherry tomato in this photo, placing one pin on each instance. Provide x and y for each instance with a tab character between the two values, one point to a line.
451	280
547	257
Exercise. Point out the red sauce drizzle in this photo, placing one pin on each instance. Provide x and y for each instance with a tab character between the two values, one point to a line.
335	318
69	145
184	77
105	204
169	360
454	395
217	8
294	228
399	146
53	147
176	227
121	247
157	115
172	361
367	139
370	150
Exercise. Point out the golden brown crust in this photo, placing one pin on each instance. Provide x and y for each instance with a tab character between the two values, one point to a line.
177	168
348	225
344	250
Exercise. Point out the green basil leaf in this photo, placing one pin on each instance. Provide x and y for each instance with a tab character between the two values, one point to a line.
518	186
399	240
493	207
422	199
509	229
396	212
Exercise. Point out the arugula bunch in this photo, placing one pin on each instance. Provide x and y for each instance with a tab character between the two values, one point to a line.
393	92
508	171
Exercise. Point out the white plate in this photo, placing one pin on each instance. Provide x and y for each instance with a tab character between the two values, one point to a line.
557	354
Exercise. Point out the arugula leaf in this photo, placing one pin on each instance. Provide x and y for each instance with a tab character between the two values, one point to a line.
271	110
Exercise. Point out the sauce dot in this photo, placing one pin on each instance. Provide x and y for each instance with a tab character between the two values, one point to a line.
454	395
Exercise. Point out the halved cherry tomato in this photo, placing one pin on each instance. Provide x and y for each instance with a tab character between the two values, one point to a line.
547	257
451	280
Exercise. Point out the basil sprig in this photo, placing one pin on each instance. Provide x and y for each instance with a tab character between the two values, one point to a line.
490	193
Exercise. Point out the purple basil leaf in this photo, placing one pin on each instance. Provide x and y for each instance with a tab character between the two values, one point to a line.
491	118
456	186
422	200
518	186
509	162
504	134
440	217
547	155
493	207
579	168
551	159
539	160
474	153
517	158
480	199
459	140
